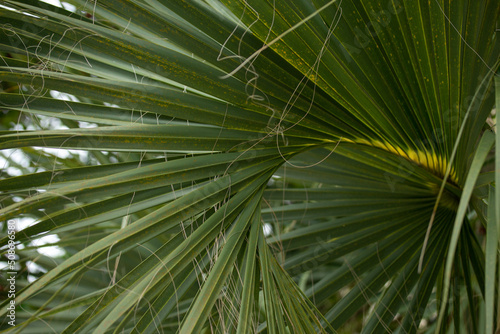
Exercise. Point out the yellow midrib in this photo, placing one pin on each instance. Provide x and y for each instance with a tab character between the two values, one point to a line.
428	160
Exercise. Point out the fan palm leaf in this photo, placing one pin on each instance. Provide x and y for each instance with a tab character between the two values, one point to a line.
266	166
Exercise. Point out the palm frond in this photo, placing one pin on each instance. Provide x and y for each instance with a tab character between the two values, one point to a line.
271	166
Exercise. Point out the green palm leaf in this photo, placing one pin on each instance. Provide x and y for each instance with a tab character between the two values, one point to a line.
274	166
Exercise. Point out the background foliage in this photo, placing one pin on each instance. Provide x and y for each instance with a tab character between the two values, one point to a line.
264	166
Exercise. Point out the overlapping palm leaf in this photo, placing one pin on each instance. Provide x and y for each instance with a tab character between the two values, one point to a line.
332	126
